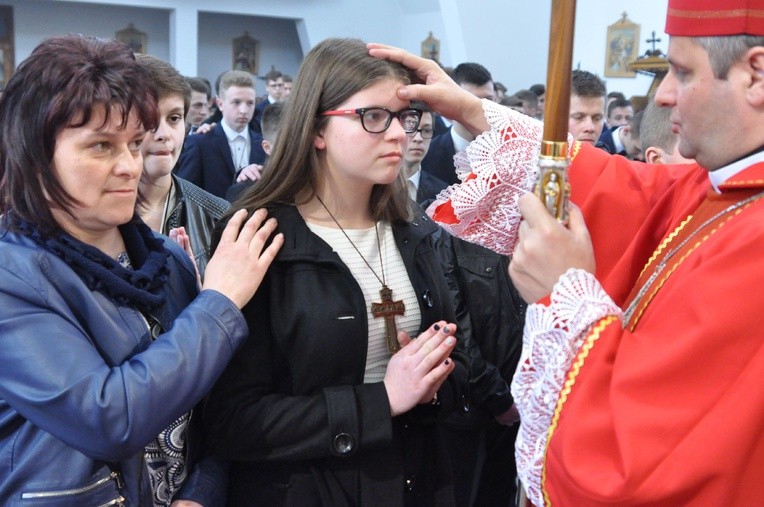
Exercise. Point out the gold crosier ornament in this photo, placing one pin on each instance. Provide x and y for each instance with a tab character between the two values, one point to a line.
552	185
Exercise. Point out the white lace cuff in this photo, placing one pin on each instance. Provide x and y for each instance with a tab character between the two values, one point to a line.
504	161
551	340
502	164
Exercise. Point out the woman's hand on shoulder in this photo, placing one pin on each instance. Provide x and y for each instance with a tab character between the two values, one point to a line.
204	128
416	372
239	264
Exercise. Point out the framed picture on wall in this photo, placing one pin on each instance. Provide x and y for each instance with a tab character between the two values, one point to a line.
431	48
133	38
622	48
245	54
7	64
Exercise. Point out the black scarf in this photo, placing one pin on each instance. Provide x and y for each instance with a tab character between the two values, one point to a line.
142	287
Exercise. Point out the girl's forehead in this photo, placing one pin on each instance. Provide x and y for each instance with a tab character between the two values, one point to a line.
381	93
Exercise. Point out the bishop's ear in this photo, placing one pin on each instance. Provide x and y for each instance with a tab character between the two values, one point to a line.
756	62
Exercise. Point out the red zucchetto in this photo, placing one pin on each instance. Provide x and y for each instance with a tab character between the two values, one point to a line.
704	18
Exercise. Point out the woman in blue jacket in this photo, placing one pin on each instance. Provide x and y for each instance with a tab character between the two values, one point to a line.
105	343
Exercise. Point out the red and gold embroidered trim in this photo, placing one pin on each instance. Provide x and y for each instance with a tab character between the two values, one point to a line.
745	183
716	14
645	302
575	369
668	239
574	150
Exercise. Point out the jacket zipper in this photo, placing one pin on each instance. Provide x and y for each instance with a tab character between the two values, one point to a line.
117	502
113	476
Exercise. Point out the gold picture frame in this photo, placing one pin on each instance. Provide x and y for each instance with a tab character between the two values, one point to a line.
7	53
133	38
622	48
245	54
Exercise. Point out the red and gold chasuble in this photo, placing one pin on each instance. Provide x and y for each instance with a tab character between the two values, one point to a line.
667	408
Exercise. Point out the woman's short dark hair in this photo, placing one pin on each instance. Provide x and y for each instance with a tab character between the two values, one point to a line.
63	84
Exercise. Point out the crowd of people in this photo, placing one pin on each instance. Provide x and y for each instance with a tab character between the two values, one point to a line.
345	293
607	120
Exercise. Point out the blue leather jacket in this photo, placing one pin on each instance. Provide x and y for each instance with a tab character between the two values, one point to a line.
81	390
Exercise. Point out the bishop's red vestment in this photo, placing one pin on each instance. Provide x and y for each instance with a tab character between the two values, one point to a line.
641	385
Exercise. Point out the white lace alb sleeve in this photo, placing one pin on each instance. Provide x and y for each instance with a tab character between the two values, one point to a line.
552	338
498	167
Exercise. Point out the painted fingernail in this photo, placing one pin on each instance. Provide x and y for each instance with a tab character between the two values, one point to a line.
448	362
436	327
447	330
450	340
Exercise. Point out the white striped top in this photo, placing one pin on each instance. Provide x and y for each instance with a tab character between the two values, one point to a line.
396	277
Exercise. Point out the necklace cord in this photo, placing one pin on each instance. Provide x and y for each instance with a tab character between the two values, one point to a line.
379	247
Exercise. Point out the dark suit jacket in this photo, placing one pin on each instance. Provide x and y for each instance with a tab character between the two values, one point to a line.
429	187
259	108
607	143
439	160
237	190
438	125
206	160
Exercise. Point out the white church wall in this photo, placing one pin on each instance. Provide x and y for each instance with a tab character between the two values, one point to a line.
510	38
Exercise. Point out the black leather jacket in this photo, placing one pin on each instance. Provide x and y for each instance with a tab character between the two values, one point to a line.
492	313
198	211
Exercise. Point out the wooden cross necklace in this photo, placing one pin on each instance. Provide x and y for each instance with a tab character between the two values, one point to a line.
387	308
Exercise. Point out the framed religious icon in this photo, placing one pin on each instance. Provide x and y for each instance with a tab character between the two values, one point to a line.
133	38
431	48
622	48
7	63
246	54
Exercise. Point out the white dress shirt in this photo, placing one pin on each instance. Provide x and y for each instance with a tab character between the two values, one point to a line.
722	174
239	144
413	183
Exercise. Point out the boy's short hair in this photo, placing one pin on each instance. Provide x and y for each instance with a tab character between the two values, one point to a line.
271	121
238	78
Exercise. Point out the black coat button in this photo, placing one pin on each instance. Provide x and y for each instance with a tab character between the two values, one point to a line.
411	483
343	443
427	298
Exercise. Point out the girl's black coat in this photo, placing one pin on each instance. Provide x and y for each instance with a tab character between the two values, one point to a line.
292	411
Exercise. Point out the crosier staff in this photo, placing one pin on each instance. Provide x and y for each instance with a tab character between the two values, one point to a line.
552	185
